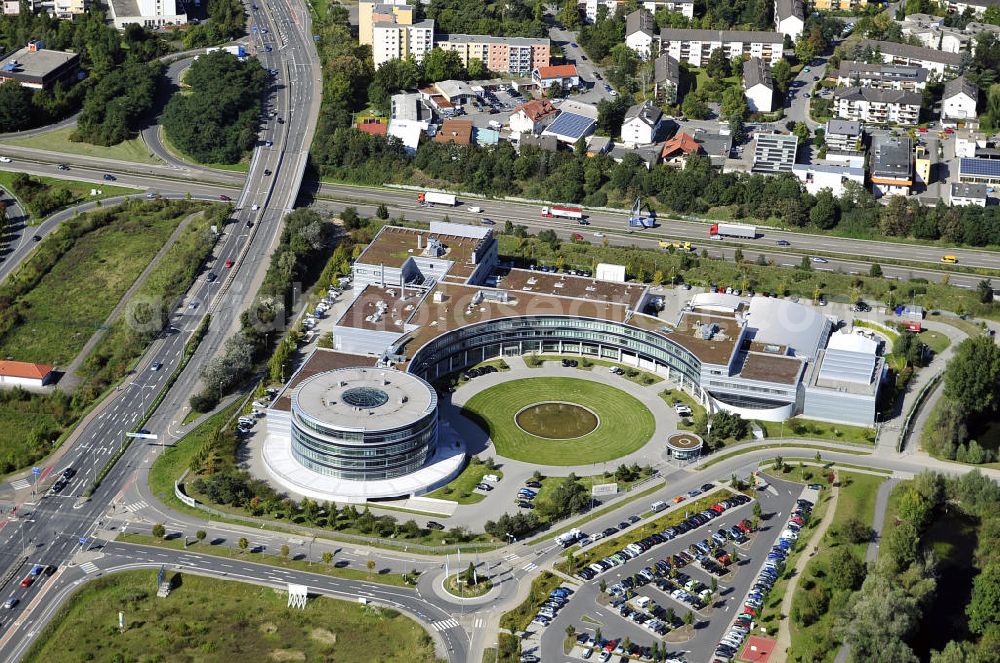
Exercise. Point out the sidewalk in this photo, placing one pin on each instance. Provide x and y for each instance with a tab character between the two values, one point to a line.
784	638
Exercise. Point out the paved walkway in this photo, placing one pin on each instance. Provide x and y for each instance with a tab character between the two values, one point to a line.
70	380
784	638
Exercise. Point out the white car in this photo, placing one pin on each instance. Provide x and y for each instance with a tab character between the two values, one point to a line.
254	207
598	234
4	159
682	410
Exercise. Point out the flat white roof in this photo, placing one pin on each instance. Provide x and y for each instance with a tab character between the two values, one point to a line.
364	398
784	322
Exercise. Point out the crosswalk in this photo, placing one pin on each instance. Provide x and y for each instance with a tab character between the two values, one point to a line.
445	624
136	506
88	567
530	566
510	557
480	623
20	484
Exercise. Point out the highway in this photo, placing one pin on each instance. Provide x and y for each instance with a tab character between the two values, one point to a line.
47	529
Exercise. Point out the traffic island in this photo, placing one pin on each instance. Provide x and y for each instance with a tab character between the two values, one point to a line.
467	586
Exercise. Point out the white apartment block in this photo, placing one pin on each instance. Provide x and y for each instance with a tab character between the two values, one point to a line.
394	41
640	32
978	7
913	56
789	18
882	76
696	46
148	13
684	7
873	106
959	99
818	176
591	6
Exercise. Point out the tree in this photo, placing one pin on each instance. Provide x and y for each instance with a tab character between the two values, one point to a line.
694	108
16	110
900	544
382	212
875	271
805	264
327	557
570	631
972	376
603	585
782	74
243	543
370	565
200	535
285	551
611	114
441	65
734	103
847	571
350	218
718	66
689	618
880	620
983	609
159	531
985	291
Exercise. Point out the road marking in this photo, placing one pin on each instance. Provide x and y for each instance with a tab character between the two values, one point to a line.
20	484
480	623
136	506
531	566
445	624
88	567
511	557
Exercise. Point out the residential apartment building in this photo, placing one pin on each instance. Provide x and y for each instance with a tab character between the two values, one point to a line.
511	55
758	86
882	76
843	136
643	125
818	176
914	56
392	41
978	7
148	13
958	102
640	32
591	7
873	106
840	5
696	46
683	7
564	75
666	79
968	194
891	166
529	117
790	17
385	11
56	8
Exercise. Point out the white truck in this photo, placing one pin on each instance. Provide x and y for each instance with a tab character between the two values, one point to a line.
435	198
563	212
474	209
732	230
569	538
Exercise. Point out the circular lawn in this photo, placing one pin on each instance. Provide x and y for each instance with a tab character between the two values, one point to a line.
624	424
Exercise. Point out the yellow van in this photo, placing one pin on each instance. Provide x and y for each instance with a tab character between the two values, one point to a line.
949	259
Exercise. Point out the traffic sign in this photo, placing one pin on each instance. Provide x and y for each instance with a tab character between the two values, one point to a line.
83	540
36	471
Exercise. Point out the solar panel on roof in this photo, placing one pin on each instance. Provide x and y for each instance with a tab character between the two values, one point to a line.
989	167
571	125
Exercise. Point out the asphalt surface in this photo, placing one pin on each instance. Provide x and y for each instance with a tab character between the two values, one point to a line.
712	621
48	528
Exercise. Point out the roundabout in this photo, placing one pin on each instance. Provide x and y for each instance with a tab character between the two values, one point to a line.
561	420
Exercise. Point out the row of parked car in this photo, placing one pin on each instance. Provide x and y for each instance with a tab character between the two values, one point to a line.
633	550
558	598
616	647
730	643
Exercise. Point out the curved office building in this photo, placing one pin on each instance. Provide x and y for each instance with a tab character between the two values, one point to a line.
364	424
357	433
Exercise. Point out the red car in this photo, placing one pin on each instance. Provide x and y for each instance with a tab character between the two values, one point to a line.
229	263
27	581
949	130
225	198
922	130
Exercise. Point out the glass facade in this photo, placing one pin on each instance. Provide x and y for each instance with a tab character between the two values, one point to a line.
525	334
363	455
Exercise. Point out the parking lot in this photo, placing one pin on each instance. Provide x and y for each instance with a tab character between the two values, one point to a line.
654	608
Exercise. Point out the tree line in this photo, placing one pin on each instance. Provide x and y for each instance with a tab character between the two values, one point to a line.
120	77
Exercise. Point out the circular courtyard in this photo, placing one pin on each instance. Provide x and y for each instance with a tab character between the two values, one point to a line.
561	420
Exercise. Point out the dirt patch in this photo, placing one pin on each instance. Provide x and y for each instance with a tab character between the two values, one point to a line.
268	627
286	655
324	636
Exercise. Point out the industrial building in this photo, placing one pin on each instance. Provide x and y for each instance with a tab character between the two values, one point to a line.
39	68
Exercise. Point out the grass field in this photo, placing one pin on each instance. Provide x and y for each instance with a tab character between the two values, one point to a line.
73	299
625	423
818	430
133	150
462	488
205	619
935	340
